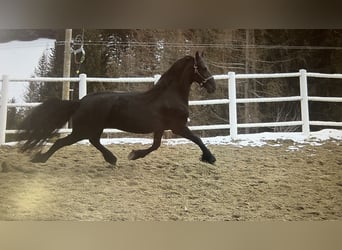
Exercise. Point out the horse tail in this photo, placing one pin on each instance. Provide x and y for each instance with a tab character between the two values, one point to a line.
44	121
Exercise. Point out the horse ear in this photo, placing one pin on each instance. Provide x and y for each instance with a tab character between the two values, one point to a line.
202	54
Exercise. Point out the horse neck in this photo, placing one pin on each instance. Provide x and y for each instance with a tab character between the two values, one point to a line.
184	85
176	80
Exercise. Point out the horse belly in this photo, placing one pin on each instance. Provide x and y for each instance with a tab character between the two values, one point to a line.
133	122
132	127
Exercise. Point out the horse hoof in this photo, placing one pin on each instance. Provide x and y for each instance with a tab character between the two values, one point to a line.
132	155
112	162
39	158
209	159
111	159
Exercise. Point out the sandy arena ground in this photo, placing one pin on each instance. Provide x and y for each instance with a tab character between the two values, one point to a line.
246	184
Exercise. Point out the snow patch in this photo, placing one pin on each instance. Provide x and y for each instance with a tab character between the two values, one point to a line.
244	140
253	140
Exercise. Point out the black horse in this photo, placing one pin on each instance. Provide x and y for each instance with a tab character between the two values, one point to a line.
163	107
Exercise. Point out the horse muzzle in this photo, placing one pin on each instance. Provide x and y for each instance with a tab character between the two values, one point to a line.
209	84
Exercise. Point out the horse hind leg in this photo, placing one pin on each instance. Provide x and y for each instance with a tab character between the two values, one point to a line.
136	154
65	141
107	155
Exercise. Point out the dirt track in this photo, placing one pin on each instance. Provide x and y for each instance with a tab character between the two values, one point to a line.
247	184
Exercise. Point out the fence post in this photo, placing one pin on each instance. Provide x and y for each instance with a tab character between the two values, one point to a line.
3	109
304	102
156	79
82	88
232	105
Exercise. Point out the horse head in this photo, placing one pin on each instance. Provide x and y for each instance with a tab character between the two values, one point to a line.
202	74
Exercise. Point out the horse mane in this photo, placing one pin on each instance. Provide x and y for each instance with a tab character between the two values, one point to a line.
172	74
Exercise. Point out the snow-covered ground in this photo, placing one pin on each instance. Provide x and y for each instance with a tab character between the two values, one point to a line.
253	140
260	139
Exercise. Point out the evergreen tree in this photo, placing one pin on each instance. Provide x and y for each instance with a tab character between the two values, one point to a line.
35	90
297	49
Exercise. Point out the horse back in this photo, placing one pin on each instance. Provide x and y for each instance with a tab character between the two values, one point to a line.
126	111
132	111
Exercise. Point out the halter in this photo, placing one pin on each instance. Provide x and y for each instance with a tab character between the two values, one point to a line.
204	80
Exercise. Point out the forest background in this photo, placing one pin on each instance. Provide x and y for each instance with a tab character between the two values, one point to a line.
133	52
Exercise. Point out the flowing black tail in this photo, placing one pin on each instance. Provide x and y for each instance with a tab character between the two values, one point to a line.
44	121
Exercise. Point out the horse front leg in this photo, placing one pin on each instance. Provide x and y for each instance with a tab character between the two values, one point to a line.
185	132
107	155
136	154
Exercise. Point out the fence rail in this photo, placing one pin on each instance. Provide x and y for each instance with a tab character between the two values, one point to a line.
231	99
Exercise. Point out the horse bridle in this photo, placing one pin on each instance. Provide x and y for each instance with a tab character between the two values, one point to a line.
204	79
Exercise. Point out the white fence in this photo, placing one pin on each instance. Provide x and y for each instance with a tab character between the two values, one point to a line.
231	100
